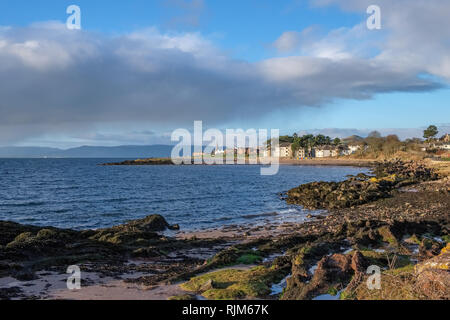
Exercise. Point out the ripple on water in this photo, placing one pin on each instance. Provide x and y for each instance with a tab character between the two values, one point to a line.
67	192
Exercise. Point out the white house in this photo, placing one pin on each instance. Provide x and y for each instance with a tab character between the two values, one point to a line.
344	150
440	146
327	151
323	151
353	148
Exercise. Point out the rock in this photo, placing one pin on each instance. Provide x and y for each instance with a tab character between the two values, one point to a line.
332	272
446	249
9	293
359	263
387	235
441	262
360	189
429	248
433	277
208	285
142	162
435	284
150	223
336	266
183	297
25	275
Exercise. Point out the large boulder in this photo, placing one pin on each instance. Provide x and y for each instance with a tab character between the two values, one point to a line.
136	233
150	223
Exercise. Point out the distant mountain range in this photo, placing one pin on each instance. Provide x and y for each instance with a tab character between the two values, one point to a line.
154	151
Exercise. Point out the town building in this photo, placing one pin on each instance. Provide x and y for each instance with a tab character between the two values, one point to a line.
323	151
353	148
284	150
301	154
444	146
344	150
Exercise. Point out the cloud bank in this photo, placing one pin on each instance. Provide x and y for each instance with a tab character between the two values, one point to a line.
54	79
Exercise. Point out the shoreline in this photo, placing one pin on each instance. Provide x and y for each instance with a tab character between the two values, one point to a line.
330	162
136	261
281	161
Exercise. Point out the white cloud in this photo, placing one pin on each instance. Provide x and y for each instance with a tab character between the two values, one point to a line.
416	33
288	41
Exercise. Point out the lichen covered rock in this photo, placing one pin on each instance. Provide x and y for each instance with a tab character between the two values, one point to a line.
360	189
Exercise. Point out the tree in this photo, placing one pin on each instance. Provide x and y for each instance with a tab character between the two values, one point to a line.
295	147
375	142
309	140
392	138
430	132
336	141
320	140
392	144
374	134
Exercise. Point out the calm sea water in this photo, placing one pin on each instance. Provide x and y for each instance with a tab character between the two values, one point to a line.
80	194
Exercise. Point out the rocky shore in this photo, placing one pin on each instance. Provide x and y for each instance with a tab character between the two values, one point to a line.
360	189
396	220
282	161
142	162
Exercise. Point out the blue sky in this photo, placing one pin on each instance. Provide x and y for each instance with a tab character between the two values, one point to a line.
246	32
244	28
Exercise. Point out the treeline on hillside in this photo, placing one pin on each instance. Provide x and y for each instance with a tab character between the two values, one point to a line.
374	145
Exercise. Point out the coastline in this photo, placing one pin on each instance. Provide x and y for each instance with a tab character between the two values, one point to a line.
282	161
330	162
136	261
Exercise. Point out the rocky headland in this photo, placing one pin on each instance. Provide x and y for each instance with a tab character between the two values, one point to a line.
396	219
142	162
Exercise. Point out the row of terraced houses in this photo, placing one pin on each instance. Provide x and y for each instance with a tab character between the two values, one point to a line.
325	151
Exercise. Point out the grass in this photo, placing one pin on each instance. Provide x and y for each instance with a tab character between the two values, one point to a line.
183	297
397	283
231	284
249	259
446	238
332	291
393	287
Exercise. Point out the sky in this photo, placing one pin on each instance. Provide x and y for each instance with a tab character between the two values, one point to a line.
139	69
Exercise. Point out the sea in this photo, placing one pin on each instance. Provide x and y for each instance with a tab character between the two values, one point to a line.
82	194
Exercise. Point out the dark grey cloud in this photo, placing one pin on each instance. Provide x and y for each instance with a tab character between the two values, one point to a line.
54	80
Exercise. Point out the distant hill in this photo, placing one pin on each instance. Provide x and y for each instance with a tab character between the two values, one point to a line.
352	139
154	151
